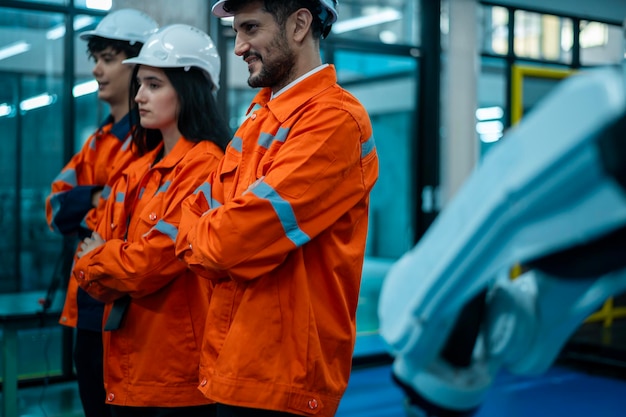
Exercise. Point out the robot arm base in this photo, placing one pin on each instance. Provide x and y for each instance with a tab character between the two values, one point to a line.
416	405
444	390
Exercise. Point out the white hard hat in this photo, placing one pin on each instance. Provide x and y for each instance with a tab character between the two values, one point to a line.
329	5
180	46
124	25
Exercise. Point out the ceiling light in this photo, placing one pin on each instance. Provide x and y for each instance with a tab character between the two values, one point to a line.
490	137
489	113
99	4
387	36
85	88
59	30
227	21
385	16
486	128
37	101
6	110
13	49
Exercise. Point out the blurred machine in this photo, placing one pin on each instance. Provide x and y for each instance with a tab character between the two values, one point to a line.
552	198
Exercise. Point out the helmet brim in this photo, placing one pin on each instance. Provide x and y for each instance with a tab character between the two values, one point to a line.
89	34
141	61
157	63
86	36
218	9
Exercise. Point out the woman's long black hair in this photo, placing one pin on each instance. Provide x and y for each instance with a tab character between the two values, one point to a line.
198	116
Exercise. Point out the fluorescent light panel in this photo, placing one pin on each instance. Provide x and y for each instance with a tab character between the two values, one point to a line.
6	110
36	102
376	18
46	99
385	16
99	4
59	30
485	128
490	137
489	113
85	88
13	49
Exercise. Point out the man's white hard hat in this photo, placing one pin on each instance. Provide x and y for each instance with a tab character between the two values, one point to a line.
329	5
124	25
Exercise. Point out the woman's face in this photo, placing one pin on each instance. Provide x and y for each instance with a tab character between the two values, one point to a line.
157	100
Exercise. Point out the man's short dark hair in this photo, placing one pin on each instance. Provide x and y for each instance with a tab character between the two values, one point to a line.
97	44
282	9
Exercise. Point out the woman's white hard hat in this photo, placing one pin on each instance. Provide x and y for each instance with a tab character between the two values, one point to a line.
180	46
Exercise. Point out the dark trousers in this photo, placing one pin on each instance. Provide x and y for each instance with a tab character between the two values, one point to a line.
89	372
231	411
197	411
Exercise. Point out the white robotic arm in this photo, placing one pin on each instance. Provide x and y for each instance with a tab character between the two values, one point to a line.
552	196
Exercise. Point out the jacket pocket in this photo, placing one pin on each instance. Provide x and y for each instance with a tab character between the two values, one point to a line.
228	170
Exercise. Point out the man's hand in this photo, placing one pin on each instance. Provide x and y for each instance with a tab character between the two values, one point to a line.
95	197
89	244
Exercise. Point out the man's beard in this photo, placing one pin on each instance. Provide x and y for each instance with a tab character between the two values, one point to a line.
277	70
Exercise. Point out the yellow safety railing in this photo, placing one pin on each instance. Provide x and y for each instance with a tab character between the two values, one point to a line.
518	74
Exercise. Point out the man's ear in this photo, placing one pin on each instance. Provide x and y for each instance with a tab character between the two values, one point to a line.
302	20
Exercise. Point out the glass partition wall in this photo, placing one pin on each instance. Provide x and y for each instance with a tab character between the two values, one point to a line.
45	112
543	44
40	64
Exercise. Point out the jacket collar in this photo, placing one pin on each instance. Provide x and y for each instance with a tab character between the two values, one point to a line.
176	154
120	130
290	100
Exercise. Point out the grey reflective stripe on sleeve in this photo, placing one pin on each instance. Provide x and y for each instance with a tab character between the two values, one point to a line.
205	189
282	133
236	143
284	211
126	144
166	229
106	192
266	139
119	197
68	176
367	147
164	187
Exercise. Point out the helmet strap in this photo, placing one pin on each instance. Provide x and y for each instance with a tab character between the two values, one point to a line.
326	18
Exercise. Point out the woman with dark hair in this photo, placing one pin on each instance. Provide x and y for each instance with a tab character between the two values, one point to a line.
188	83
155	307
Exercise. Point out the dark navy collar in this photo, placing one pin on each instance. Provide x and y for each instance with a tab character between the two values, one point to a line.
121	129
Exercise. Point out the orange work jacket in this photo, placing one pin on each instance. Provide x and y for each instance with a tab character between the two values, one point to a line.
285	218
69	209
152	359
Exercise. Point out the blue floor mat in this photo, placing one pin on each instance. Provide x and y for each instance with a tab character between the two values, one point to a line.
561	391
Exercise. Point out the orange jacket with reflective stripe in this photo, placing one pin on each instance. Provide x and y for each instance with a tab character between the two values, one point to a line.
285	218
69	208
152	360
